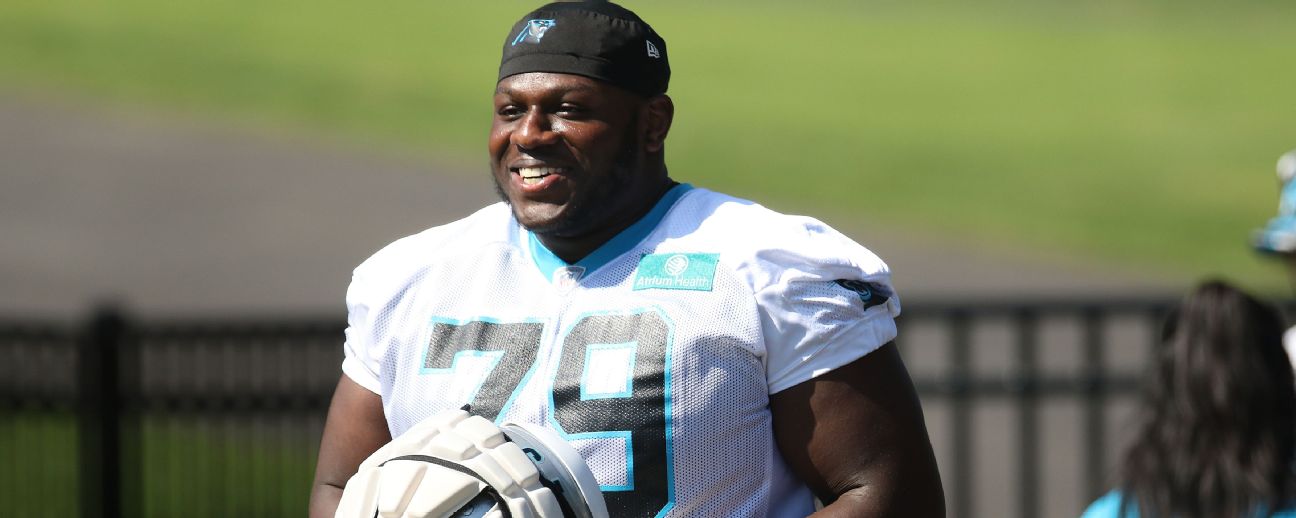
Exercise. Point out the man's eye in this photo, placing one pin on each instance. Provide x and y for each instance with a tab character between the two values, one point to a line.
509	112
570	110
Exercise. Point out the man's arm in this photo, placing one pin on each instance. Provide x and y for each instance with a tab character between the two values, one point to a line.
856	437
355	428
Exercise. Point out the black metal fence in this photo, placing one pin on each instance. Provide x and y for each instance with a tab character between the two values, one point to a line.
119	416
988	356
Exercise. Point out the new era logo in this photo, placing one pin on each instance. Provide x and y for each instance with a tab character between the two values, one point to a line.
652	50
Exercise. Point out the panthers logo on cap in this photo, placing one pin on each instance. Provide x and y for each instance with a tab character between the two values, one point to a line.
533	31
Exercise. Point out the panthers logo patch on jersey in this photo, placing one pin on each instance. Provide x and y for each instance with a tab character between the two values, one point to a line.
870	294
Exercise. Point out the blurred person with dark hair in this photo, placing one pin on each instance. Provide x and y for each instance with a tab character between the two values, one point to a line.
1216	438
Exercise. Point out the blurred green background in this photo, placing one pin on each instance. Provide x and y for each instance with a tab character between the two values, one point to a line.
1137	133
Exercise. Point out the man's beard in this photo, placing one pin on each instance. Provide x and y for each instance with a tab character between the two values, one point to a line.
585	207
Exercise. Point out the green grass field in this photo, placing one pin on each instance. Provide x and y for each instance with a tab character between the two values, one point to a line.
1134	132
197	467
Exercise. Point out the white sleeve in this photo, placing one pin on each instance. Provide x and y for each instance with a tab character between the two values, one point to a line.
359	363
829	301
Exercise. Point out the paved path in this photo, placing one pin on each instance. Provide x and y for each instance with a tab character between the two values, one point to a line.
177	217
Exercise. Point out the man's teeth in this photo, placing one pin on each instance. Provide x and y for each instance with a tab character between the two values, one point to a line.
533	175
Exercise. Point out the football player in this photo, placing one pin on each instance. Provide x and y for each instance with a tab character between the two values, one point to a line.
705	356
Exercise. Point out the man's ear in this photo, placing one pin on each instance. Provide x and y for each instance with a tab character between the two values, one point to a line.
659	111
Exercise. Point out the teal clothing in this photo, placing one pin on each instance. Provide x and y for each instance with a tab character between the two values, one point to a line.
1109	507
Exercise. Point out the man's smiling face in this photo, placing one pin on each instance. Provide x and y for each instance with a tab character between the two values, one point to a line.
566	153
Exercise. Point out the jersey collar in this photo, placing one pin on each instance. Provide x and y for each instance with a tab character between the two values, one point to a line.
547	262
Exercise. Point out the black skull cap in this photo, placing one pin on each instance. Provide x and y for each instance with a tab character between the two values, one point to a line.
596	39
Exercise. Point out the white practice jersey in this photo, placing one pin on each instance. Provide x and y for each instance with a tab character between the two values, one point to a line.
655	356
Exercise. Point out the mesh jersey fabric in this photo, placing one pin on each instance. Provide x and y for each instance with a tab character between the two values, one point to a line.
662	385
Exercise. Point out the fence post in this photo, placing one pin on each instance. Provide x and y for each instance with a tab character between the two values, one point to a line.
959	378
1095	404
1028	470
98	413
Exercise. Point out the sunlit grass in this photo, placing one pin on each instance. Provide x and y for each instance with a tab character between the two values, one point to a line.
1135	132
187	465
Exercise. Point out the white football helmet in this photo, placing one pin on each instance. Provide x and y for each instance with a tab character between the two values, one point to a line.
457	465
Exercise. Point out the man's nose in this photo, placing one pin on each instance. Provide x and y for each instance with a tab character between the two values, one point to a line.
534	131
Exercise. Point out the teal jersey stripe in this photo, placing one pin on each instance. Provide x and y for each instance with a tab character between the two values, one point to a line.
547	262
